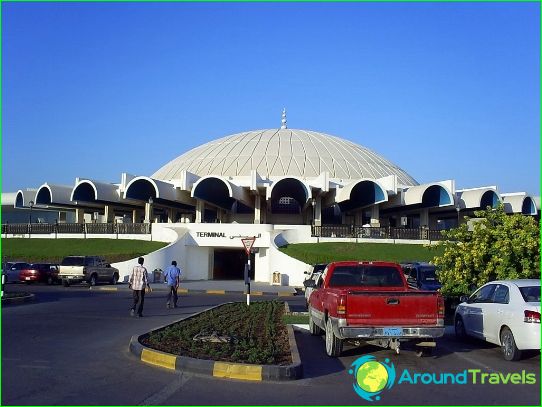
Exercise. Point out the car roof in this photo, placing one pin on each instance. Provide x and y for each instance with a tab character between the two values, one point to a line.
525	282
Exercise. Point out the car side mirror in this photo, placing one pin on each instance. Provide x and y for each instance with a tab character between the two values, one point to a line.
464	298
309	283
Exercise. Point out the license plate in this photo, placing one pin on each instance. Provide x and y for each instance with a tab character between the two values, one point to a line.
392	331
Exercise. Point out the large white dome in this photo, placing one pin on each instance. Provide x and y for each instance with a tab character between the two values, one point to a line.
281	152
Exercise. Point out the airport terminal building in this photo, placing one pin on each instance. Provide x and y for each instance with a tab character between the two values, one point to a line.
279	185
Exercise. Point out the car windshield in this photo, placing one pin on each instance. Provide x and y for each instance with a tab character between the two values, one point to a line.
428	274
73	261
366	276
530	294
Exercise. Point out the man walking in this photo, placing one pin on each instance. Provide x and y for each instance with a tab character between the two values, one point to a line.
173	277
138	283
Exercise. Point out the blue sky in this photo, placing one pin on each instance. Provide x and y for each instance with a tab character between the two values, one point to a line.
445	91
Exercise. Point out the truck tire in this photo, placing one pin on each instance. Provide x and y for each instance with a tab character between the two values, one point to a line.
508	345
114	279
334	345
313	328
460	333
93	279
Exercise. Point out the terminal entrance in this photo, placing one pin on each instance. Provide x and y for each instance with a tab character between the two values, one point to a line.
229	264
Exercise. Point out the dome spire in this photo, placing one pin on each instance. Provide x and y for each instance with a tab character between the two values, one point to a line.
284	121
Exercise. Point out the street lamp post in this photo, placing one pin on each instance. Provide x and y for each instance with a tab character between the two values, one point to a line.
458	209
31	203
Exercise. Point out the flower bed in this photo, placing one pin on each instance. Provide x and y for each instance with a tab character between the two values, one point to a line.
235	333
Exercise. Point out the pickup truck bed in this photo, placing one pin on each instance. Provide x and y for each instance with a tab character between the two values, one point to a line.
371	301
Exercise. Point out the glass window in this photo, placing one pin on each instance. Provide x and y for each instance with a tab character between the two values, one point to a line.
483	295
502	295
530	294
73	261
366	276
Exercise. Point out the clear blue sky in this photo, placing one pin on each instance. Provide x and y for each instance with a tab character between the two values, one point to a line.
445	91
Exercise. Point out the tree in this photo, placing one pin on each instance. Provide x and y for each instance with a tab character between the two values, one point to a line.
497	247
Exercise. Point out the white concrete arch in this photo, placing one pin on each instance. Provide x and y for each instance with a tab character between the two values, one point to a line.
54	195
305	188
436	194
101	191
379	191
478	197
202	189
24	196
519	202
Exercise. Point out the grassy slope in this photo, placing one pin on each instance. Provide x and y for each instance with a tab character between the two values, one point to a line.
54	250
312	253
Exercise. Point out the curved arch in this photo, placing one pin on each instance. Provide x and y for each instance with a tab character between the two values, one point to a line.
429	195
362	193
142	188
214	190
85	190
23	197
528	206
290	187
491	199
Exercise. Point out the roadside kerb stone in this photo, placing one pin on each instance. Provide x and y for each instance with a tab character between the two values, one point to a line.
219	369
19	300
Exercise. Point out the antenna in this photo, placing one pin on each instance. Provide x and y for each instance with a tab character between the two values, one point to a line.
284	121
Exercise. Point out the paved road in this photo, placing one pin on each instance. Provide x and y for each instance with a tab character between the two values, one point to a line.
71	347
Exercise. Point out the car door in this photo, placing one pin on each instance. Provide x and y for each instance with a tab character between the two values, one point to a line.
495	313
475	309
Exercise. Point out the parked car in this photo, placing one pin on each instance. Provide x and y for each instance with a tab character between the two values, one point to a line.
506	313
421	275
40	272
90	269
314	272
12	270
371	302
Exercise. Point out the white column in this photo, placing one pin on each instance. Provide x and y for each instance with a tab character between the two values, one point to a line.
318	212
375	216
79	215
200	208
257	209
148	212
171	215
424	217
109	213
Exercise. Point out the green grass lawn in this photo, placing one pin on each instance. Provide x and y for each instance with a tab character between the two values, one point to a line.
313	253
54	250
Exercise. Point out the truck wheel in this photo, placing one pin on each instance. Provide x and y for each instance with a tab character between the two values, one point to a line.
114	279
334	345
49	280
313	328
93	280
508	345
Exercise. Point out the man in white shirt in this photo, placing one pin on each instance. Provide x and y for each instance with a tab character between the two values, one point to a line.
138	283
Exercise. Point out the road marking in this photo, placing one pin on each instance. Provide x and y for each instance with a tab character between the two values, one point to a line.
159	359
237	371
160	396
285	294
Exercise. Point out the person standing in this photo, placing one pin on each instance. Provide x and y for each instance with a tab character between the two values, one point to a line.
138	283
173	277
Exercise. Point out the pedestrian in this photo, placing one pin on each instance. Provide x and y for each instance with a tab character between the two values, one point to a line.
173	277
139	283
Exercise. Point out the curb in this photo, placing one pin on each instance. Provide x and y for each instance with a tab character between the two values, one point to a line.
220	369
211	292
19	300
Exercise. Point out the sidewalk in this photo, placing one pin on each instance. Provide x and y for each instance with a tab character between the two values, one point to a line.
213	287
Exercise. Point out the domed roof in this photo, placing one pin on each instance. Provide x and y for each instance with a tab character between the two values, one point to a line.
280	152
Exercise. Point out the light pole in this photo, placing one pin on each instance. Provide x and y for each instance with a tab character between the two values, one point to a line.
458	208
31	203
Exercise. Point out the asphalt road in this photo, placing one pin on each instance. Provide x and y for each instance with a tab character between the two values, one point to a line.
70	347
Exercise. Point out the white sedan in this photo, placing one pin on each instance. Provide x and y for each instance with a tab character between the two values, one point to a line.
506	313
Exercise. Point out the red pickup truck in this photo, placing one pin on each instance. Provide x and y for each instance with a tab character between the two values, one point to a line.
371	302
